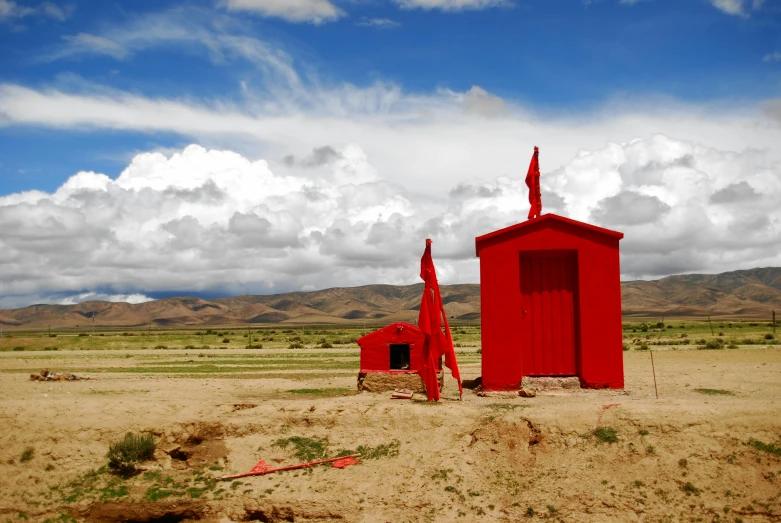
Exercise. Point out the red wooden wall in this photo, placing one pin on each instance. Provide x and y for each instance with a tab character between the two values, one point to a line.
375	347
581	264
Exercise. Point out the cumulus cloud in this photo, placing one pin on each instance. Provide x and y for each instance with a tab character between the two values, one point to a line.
629	208
309	185
212	220
310	11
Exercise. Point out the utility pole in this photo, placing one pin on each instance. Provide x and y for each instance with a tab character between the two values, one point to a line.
711	325
249	336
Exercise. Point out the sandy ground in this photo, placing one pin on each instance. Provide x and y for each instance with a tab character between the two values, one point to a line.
683	457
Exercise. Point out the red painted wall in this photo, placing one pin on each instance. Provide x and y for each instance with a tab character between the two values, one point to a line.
375	348
599	354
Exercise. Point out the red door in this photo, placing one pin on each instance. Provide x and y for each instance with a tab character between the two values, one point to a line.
548	313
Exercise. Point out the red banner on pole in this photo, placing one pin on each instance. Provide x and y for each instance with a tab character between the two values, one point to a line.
533	183
432	320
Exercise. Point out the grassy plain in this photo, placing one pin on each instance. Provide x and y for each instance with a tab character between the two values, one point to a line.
706	450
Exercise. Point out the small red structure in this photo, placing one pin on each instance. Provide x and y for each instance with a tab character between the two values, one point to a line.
551	303
395	349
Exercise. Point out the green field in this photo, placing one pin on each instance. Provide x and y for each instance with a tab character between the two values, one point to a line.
697	334
300	353
255	353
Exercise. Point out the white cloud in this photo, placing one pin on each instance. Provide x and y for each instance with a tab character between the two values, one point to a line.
446	137
220	38
211	220
452	5
731	7
354	178
60	13
772	57
310	11
87	43
99	296
738	7
384	23
11	10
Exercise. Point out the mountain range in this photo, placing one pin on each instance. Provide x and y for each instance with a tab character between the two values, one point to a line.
748	293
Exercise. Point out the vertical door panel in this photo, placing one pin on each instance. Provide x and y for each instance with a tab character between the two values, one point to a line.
548	293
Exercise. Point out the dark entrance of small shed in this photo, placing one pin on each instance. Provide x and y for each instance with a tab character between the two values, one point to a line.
399	356
548	312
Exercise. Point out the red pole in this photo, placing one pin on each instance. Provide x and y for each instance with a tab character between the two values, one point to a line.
290	467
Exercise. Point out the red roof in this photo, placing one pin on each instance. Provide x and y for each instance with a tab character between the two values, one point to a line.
392	330
544	220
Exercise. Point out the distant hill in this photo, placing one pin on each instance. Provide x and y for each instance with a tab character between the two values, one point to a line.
749	293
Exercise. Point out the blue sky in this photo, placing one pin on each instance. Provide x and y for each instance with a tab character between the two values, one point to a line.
424	95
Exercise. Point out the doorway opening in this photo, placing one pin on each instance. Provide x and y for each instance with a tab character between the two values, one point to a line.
399	356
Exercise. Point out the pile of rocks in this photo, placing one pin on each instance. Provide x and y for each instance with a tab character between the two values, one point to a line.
47	375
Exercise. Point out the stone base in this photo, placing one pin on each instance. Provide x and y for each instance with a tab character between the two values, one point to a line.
550	383
384	382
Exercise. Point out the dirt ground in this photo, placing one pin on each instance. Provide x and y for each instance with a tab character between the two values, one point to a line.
688	456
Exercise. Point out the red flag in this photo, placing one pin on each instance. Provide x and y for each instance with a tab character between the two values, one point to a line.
431	319
533	183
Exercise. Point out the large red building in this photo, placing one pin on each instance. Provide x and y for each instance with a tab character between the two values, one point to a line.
551	303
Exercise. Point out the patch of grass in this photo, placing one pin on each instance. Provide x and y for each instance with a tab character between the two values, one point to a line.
112	491
384	450
690	489
153	475
506	406
62	518
441	474
770	448
306	449
606	434
530	512
158	492
125	453
713	344
642	432
321	392
715	392
27	455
